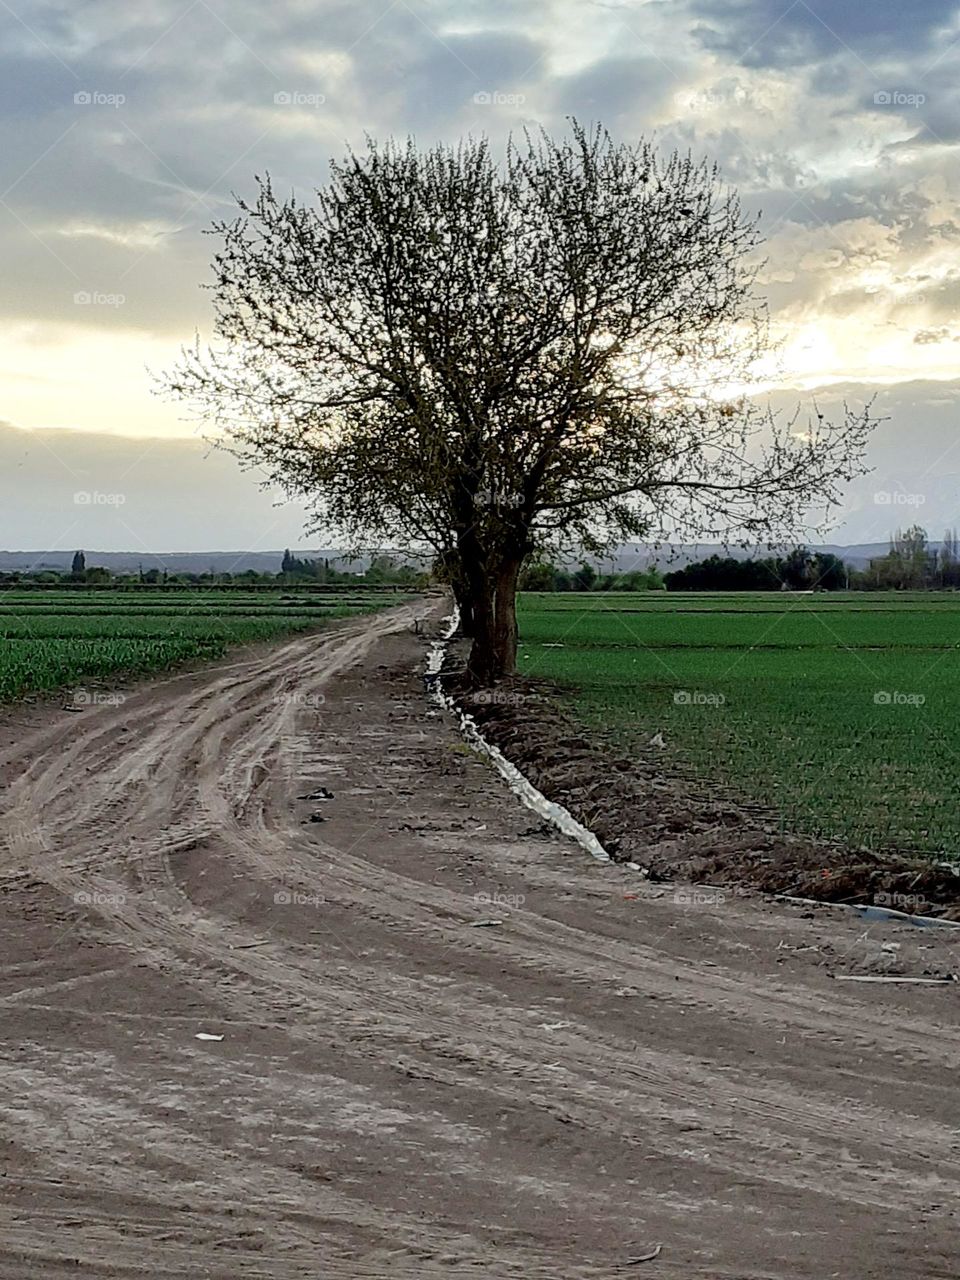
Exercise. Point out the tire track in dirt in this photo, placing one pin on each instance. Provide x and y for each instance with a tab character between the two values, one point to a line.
393	1084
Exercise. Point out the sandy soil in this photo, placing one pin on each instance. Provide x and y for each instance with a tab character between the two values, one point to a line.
402	1090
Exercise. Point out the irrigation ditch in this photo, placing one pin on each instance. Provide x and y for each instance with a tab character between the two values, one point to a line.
662	823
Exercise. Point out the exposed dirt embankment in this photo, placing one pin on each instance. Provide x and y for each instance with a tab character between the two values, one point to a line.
644	811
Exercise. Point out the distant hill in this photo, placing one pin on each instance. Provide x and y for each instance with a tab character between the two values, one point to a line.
634	556
174	561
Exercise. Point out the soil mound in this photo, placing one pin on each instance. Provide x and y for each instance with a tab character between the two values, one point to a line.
675	830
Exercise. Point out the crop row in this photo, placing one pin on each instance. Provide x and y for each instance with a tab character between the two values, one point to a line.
61	646
28	666
744	602
239	627
604	627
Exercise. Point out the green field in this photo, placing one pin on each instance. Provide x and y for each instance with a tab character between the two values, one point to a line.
841	712
60	637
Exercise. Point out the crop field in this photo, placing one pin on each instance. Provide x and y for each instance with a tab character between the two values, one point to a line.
56	638
840	712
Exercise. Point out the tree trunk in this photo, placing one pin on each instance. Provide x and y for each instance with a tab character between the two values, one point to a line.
461	594
493	654
506	618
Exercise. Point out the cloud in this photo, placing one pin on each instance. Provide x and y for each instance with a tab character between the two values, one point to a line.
777	33
914	452
931	337
617	89
68	489
110	198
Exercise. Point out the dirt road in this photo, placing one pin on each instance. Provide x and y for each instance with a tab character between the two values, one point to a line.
393	1088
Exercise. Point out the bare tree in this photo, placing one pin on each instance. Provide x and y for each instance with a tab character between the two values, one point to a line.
492	361
911	558
948	559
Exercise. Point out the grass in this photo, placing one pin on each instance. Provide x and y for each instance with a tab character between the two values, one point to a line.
32	666
840	712
51	639
233	626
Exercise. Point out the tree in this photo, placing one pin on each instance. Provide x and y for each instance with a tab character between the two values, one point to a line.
829	572
79	566
383	568
727	574
949	560
642	580
585	578
538	576
797	569
908	565
447	568
910	559
493	362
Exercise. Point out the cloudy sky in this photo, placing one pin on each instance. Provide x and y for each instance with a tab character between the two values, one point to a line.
125	129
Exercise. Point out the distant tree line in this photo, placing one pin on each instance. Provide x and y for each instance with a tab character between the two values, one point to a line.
724	573
910	564
542	576
383	570
800	570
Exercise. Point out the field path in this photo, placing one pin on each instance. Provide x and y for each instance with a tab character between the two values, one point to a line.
404	1031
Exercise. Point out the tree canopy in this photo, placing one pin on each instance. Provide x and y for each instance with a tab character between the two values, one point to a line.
498	360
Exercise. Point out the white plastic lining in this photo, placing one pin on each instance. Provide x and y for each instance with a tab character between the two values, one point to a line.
521	787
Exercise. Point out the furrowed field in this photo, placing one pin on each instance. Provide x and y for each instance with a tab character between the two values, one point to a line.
841	712
61	637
